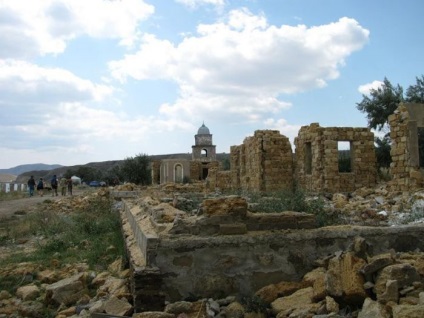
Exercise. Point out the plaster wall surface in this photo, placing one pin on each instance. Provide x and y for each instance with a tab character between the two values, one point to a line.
241	264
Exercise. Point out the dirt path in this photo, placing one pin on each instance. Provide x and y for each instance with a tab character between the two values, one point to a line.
22	206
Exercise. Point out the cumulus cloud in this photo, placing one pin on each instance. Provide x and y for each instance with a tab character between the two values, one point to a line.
366	88
281	124
32	100
243	65
23	81
31	28
196	3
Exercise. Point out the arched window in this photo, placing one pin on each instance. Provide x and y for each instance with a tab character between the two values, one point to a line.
204	153
178	173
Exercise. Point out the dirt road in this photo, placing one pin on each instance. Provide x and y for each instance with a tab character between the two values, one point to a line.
23	206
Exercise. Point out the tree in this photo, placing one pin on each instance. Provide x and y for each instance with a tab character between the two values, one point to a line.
136	170
382	151
86	174
378	106
381	103
415	93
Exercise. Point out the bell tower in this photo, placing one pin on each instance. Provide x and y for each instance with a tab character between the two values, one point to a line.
203	149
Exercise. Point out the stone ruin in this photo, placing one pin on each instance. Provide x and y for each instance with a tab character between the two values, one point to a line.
406	125
265	162
223	248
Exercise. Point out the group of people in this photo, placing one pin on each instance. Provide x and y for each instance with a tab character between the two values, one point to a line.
65	186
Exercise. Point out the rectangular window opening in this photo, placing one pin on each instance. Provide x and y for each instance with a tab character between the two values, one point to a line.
308	158
345	156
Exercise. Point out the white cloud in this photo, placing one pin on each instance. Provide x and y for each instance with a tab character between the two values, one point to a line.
196	3
31	28
243	66
22	82
290	131
366	88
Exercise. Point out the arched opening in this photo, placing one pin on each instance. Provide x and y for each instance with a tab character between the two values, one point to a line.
204	153
178	173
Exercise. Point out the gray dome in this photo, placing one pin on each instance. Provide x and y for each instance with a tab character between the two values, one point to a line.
203	130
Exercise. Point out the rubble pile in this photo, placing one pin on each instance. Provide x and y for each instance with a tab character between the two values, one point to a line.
349	283
379	206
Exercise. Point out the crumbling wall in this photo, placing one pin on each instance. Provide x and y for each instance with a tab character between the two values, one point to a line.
237	165
195	170
405	166
264	163
317	159
156	171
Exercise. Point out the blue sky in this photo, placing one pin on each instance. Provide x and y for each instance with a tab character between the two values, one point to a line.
94	80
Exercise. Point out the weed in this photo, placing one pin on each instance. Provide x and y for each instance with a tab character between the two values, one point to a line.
90	234
295	201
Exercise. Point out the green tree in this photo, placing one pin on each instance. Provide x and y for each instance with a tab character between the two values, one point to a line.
86	174
381	103
382	151
415	93
136	170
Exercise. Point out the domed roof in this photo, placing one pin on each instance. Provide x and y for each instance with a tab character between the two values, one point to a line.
203	130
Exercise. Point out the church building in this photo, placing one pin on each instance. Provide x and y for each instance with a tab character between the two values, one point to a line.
180	170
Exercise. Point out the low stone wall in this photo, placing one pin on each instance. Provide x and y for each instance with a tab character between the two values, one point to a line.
169	262
242	264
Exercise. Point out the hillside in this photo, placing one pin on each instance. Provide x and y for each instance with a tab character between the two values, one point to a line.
29	167
103	165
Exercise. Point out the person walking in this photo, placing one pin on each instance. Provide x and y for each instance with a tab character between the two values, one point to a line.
40	187
53	183
31	186
70	185
63	182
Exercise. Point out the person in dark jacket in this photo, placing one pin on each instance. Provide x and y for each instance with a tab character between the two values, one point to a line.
40	187
53	183
31	186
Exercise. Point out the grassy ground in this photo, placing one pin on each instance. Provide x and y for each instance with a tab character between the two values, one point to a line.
90	234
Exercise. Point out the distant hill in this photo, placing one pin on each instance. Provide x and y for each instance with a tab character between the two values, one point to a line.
103	165
30	167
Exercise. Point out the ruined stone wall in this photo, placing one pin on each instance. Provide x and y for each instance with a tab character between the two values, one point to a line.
237	168
405	167
156	172
219	180
317	157
263	163
195	170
